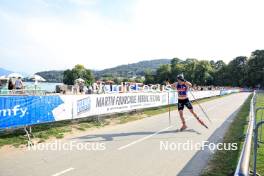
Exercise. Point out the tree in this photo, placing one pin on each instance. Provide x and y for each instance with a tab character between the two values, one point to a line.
139	79
68	77
177	67
163	73
79	71
203	73
149	77
241	71
219	65
237	71
221	77
189	69
255	69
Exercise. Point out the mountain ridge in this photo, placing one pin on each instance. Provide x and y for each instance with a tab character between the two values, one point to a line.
124	70
133	69
4	72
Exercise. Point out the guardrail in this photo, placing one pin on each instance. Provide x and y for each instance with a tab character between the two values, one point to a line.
244	160
256	139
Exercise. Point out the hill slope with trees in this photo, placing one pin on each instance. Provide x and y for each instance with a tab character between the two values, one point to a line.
126	71
130	70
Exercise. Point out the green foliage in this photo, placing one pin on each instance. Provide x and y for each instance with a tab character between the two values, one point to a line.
149	77
79	71
255	72
177	67
237	70
241	71
139	79
163	73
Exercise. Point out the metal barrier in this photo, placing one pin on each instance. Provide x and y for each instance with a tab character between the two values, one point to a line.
244	160
256	141
261	119
23	92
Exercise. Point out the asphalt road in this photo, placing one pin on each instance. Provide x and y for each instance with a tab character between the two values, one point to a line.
146	147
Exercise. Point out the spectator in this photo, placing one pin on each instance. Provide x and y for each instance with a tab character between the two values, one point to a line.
10	84
81	87
1	86
90	90
111	87
103	88
75	88
19	84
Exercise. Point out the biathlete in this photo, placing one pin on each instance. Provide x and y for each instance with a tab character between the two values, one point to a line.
182	87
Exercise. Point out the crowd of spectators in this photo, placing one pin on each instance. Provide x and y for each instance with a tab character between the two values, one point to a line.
14	85
101	87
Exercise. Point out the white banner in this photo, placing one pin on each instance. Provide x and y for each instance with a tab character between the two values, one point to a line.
78	106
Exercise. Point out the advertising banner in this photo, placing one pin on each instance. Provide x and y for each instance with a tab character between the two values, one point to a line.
17	111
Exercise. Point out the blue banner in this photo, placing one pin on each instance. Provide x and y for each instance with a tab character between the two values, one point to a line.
16	111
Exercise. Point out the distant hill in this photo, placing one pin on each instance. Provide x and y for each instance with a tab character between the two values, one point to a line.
129	70
52	76
4	72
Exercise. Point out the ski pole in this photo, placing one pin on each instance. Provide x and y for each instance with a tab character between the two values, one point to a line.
169	108
206	115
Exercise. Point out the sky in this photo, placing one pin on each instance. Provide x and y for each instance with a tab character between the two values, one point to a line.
38	35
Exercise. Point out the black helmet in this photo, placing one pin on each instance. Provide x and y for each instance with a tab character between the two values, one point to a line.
180	77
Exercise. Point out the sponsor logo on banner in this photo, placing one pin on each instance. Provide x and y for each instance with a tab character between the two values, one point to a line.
15	111
122	102
83	105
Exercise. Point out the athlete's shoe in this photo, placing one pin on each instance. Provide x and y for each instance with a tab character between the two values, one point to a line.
183	127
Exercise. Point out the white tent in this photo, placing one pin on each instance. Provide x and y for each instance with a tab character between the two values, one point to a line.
37	78
3	78
79	80
15	75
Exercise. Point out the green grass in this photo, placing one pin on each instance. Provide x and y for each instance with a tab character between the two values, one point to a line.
43	132
224	162
260	153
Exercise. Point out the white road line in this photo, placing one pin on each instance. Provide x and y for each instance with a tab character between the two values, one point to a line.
63	172
144	138
147	137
